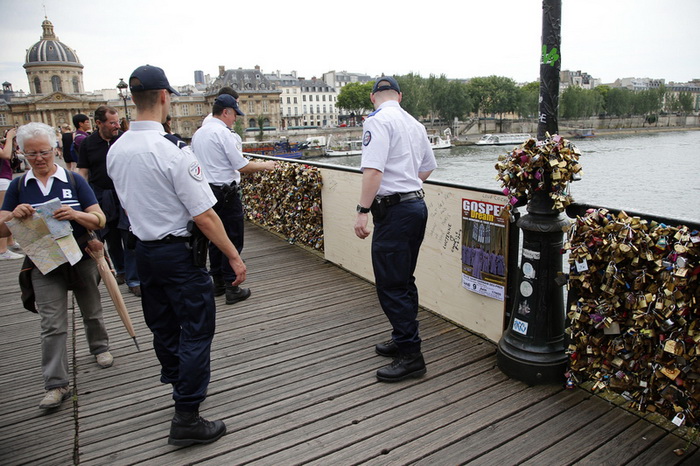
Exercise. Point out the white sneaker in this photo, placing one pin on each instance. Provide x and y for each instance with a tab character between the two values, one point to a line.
9	255
55	397
15	247
104	360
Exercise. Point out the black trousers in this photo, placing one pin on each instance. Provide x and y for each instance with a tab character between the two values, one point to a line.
231	214
178	306
396	242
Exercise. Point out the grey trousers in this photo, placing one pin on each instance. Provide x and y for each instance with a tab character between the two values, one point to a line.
51	292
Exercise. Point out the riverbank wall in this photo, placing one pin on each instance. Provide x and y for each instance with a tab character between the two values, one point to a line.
567	127
600	125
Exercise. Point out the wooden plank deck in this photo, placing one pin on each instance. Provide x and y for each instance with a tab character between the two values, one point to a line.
293	378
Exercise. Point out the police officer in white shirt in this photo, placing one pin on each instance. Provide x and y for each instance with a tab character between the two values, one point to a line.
220	151
162	188
396	159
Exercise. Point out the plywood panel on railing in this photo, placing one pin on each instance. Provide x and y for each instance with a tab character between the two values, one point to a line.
439	271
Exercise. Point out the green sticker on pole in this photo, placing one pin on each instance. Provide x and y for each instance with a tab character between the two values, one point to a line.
551	57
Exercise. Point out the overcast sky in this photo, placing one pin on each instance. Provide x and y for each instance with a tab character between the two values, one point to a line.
608	39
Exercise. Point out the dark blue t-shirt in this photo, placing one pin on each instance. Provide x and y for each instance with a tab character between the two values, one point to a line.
79	197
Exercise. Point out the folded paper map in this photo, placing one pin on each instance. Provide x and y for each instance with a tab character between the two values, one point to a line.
48	242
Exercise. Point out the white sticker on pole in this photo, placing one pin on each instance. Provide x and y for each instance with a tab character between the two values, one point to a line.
530	254
520	326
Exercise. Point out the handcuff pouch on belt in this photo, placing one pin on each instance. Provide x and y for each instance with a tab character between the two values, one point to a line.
228	191
199	244
381	204
378	208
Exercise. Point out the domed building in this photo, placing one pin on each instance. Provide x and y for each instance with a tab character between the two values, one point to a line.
52	66
55	77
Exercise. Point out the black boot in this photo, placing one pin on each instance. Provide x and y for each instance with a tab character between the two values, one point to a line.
219	285
404	366
388	349
236	293
188	428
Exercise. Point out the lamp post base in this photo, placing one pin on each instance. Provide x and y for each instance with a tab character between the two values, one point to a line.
529	367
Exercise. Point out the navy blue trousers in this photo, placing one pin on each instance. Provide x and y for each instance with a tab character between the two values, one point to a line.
395	244
178	306
231	215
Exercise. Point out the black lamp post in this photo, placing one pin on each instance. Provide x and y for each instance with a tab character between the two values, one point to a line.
122	86
532	348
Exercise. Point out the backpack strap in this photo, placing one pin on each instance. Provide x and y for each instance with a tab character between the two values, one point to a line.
20	184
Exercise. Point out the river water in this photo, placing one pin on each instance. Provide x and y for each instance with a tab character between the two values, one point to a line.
654	173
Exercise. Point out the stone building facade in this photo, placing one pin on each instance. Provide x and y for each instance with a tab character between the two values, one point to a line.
318	103
258	95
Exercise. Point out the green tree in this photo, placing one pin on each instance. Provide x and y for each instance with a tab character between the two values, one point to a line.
477	89
455	102
619	101
437	94
238	127
529	104
260	120
685	100
576	102
494	95
644	102
603	91
415	98
448	99
355	98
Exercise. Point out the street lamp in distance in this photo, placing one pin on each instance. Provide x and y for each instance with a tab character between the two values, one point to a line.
122	86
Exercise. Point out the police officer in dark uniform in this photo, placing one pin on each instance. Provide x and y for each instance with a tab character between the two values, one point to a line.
162	188
396	159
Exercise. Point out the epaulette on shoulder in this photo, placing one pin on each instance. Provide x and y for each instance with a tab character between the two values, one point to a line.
175	140
374	112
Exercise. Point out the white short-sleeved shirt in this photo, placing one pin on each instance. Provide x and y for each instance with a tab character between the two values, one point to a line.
220	151
160	184
396	144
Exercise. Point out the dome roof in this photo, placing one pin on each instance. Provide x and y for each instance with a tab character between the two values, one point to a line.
49	50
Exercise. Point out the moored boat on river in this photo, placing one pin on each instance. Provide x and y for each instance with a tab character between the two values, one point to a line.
282	148
349	147
502	139
441	142
583	133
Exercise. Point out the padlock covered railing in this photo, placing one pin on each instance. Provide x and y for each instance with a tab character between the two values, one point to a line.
633	311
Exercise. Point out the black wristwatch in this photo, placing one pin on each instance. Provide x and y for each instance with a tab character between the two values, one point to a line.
362	210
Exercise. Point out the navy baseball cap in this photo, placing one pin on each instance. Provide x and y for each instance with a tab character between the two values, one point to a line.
386	83
151	78
228	101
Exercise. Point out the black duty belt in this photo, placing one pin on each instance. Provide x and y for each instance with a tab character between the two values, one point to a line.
225	187
395	198
169	239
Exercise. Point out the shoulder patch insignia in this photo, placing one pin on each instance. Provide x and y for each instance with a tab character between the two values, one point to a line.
174	139
196	171
366	138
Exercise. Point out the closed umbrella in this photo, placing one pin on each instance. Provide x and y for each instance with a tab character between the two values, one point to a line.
96	250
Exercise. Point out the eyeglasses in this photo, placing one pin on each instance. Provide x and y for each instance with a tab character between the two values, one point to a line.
44	154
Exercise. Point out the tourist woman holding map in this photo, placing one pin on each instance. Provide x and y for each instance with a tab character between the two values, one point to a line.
45	182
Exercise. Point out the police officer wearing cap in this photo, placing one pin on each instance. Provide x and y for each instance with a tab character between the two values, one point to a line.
396	160
219	150
162	188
